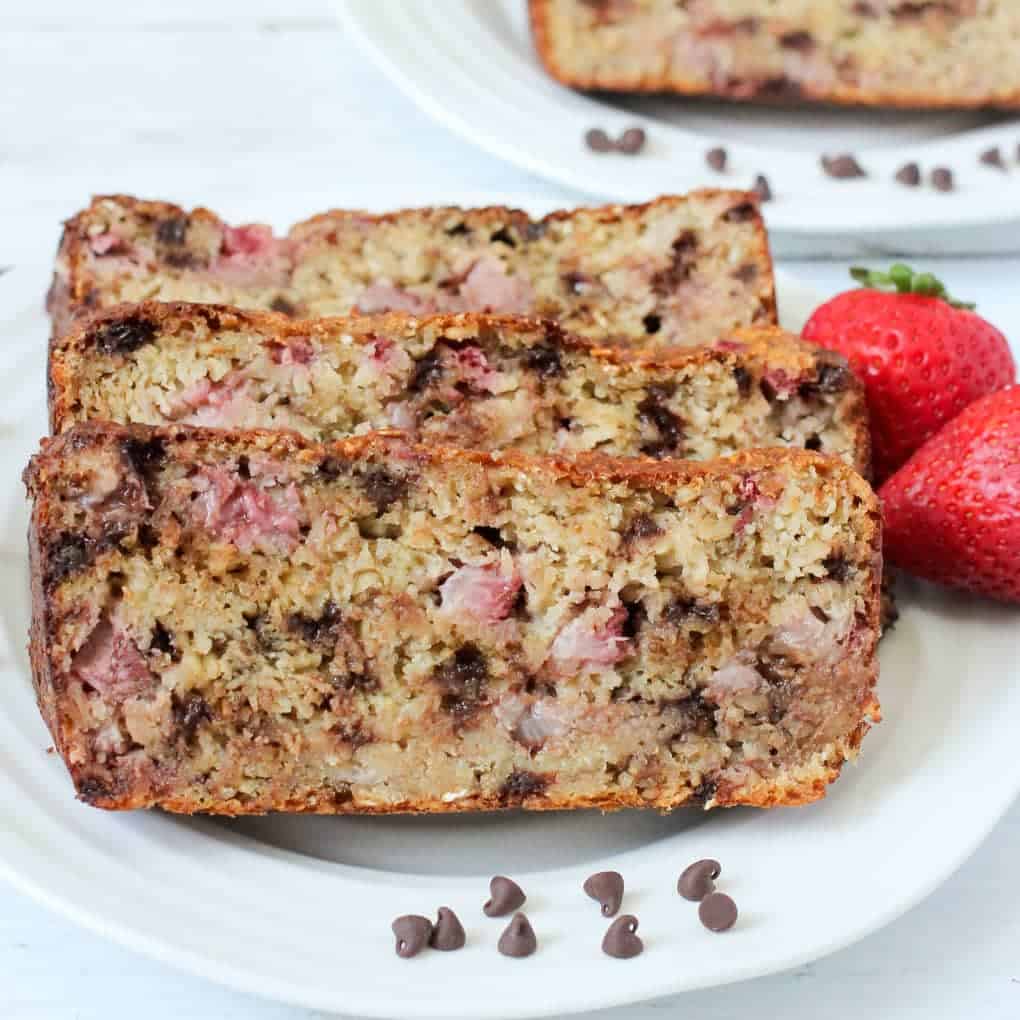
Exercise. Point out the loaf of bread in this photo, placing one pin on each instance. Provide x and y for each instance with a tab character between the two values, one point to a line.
470	380
680	270
241	622
950	53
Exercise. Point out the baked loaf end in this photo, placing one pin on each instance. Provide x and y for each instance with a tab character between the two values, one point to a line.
244	622
679	270
470	380
955	53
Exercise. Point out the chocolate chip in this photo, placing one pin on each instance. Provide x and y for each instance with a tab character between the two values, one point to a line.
620	940
606	887
698	880
462	679
717	912
842	167
836	567
682	607
412	932
93	791
640	526
521	784
68	553
189	713
746	273
503	236
683	256
536	230
162	640
447	933
492	535
283	306
801	41
942	179
458	230
652	410
382	488
505	896
545	361
124	335
597	140
741	213
518	939
716	159
144	455
743	379
426	371
993	157
703	794
652	323
833	375
762	188
632	141
173	231
813	442
909	175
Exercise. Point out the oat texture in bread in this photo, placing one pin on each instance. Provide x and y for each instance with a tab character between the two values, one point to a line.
241	622
679	270
951	53
471	380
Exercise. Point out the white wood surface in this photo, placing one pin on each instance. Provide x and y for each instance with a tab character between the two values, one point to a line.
184	99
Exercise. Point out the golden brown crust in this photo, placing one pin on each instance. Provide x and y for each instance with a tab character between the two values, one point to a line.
839	93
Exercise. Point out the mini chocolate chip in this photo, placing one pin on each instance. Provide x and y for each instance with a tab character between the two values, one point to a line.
993	157
652	323
716	159
717	912
162	640
505	896
741	213
743	380
606	887
68	553
426	371
491	535
382	488
447	932
518	939
597	140
762	188
283	306
909	175
521	784
843	166
124	335
458	230
462	679
836	567
682	607
747	273
698	879
189	713
621	940
412	932
632	141
144	455
813	442
545	361
640	526
536	230
172	231
800	41
503	236
320	632
942	179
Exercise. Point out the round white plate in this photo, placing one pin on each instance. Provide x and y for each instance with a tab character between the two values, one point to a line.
298	909
471	65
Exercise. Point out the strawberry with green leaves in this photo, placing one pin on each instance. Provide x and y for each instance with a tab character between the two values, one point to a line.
952	512
922	356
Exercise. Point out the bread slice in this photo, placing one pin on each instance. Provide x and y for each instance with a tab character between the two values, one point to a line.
954	53
241	622
679	270
470	380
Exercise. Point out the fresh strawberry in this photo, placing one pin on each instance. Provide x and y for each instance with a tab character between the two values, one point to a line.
952	512
921	356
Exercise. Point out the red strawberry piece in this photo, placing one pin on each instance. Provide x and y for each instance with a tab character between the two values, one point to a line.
952	512
921	356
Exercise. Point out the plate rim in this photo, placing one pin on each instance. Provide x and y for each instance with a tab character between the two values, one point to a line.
368	22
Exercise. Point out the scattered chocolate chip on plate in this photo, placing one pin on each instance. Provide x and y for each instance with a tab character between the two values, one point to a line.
505	896
621	940
717	912
698	879
412	933
518	940
606	887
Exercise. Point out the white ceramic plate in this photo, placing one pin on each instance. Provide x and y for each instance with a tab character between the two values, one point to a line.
298	909
471	65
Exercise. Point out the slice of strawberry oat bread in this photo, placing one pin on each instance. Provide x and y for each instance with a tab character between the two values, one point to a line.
477	381
248	621
679	270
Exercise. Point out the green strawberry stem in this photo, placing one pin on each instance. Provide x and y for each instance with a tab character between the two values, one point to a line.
904	280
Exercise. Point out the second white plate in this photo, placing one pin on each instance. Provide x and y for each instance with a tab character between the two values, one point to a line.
472	66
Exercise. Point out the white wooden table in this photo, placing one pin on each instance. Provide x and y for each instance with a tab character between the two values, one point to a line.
184	99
